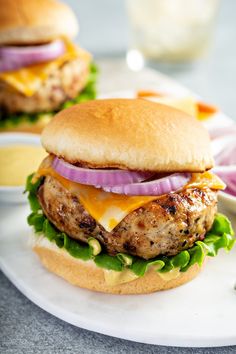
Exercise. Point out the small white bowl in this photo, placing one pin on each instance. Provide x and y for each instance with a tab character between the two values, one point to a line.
228	202
15	194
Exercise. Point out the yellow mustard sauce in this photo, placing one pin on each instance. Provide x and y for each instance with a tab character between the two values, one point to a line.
17	162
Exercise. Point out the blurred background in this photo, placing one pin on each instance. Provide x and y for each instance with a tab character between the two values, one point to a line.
202	56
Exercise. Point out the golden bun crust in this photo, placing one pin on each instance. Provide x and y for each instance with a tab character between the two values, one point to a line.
87	275
28	127
28	21
132	134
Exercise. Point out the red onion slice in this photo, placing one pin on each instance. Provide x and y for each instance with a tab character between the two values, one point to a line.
13	58
160	186
97	177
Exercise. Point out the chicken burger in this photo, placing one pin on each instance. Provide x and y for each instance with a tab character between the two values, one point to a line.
125	202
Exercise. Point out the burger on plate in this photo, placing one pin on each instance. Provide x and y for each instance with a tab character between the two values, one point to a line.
41	70
125	202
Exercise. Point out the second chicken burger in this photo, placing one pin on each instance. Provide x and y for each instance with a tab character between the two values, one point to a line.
41	70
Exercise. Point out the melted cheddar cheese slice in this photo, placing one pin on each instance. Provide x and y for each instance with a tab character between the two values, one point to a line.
109	209
106	208
205	179
29	79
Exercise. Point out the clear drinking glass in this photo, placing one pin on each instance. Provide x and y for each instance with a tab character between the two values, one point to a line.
171	30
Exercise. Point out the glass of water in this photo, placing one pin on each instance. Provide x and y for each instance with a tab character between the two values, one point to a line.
171	30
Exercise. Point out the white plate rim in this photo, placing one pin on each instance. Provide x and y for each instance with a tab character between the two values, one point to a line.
208	341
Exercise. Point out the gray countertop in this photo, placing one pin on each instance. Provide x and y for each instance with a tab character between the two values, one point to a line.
25	328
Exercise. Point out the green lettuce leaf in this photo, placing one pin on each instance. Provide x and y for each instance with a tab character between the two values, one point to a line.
221	236
103	260
32	188
76	249
140	266
8	120
221	225
49	230
37	221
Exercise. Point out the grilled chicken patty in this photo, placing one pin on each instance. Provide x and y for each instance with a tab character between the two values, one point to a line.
166	226
62	84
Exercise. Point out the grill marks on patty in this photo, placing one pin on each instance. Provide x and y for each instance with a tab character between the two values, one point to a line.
166	226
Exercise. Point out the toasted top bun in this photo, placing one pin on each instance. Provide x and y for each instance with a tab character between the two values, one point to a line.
31	21
132	134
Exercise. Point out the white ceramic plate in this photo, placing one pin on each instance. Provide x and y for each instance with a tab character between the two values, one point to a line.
15	194
228	201
200	313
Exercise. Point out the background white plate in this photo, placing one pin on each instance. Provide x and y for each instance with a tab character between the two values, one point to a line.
200	313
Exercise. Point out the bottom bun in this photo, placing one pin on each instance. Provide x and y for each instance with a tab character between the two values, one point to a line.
88	275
